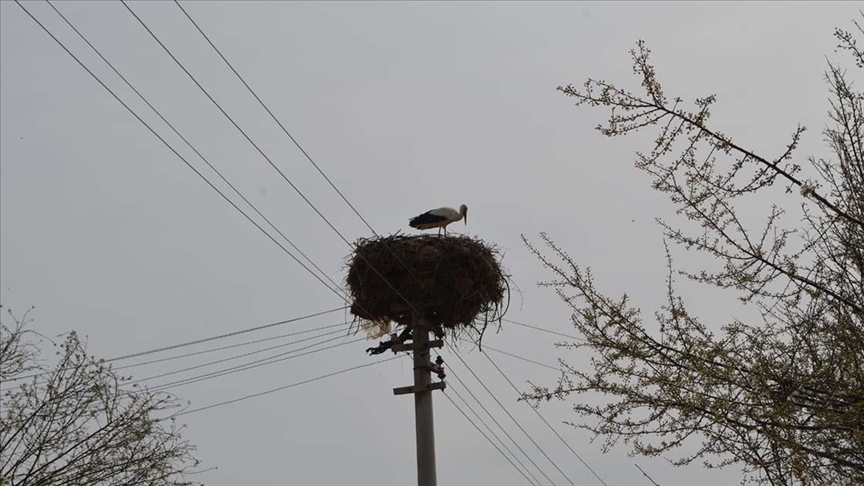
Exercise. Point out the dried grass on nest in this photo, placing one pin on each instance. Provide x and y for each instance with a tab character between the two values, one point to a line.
455	282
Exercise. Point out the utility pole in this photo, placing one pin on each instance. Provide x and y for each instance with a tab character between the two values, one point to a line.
422	390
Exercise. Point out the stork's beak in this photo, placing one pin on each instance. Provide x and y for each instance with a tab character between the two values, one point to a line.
466	218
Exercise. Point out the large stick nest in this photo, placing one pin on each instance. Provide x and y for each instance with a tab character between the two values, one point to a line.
455	282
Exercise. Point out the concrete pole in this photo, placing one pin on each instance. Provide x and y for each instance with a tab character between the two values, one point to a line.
424	427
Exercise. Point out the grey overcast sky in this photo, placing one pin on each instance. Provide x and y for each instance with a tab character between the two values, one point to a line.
407	106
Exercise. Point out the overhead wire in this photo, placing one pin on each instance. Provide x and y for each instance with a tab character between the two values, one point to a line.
536	328
230	346
234	205
189	144
161	139
230	119
646	475
156	134
513	419
260	151
545	366
238	356
274	390
223	336
127	383
545	421
487	347
257	98
527	360
269	112
447	396
532	479
342	296
188	164
507	434
291	137
251	365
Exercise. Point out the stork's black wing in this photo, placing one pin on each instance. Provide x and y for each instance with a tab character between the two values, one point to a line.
425	218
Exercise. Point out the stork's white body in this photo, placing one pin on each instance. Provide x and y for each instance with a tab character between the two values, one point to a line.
439	218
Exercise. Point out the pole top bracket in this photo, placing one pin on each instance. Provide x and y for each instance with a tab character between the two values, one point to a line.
435	343
404	390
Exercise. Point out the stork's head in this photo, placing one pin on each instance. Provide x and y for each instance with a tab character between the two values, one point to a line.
463	209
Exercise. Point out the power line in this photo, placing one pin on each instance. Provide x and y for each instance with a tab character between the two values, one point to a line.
222	336
189	144
455	375
176	153
251	365
263	105
543	330
126	383
342	296
260	101
243	132
284	387
296	143
533	482
231	358
200	341
222	348
173	150
237	126
546	422
447	396
161	139
513	419
646	475
293	140
532	479
486	346
284	177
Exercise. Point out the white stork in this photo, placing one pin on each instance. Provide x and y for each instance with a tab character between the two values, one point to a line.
439	218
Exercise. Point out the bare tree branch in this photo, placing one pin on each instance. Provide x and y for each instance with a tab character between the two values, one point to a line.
783	397
80	427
